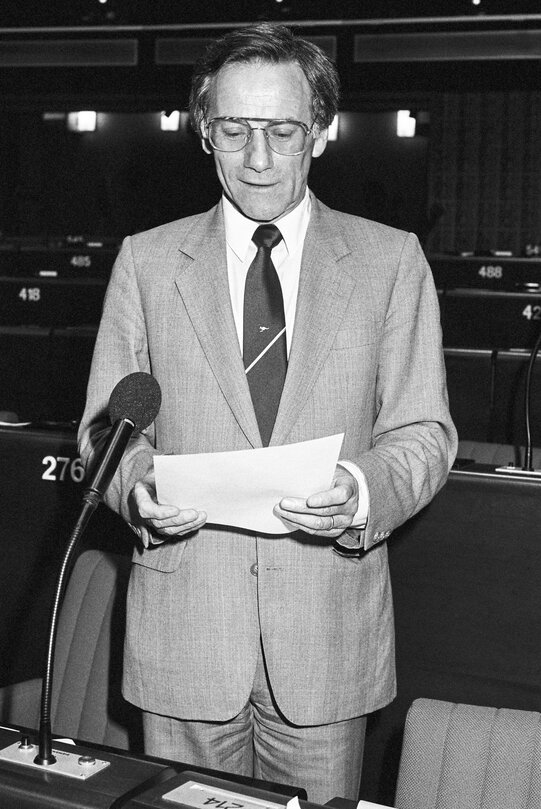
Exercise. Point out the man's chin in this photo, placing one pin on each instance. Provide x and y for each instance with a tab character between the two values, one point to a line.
258	211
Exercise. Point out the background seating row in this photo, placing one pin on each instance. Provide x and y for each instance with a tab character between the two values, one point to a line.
44	372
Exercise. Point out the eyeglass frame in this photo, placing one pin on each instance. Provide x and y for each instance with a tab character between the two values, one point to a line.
308	130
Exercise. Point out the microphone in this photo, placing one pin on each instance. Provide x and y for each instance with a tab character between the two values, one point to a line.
133	406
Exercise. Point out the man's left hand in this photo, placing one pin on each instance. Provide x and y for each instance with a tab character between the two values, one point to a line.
326	514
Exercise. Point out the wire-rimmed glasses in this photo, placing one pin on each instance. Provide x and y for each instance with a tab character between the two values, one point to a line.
228	134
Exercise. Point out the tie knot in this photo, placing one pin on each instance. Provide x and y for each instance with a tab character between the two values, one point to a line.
267	236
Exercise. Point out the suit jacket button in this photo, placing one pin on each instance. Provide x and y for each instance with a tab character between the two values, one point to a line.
253	569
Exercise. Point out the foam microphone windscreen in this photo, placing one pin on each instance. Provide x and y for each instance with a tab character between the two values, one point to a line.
136	397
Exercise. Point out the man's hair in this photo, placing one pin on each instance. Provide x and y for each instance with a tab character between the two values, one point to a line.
275	44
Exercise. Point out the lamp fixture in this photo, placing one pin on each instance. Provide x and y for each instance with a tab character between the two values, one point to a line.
405	124
170	121
333	129
82	121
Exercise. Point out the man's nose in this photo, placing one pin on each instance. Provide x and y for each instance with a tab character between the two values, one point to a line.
257	153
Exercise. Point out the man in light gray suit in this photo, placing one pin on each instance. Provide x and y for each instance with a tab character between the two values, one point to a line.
254	654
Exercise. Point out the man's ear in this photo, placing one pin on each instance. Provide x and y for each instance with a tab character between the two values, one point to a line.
320	143
205	145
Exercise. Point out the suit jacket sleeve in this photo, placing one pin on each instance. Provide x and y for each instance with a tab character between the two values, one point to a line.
413	438
120	350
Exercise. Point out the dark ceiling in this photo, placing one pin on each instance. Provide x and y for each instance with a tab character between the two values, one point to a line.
30	13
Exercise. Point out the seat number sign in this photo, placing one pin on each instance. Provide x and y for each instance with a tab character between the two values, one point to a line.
200	795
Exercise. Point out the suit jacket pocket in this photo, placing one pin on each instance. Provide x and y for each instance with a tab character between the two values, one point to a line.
165	557
353	337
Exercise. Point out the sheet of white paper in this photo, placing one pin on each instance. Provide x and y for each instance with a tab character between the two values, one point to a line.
370	805
241	488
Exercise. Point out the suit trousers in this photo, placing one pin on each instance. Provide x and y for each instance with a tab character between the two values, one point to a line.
260	743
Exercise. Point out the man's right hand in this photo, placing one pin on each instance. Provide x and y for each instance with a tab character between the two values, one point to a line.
167	521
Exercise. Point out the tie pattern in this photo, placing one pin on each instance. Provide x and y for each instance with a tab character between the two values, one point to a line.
264	331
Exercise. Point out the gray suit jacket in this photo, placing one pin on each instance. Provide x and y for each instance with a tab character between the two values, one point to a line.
366	360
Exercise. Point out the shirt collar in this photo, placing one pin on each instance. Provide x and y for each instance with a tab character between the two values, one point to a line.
239	229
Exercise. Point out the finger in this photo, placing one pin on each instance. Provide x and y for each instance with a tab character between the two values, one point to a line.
150	510
188	520
323	504
337	496
306	511
178	519
331	526
144	495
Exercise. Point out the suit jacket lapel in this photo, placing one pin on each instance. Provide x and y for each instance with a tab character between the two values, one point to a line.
325	287
203	284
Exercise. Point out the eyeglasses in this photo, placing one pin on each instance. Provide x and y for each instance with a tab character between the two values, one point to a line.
232	134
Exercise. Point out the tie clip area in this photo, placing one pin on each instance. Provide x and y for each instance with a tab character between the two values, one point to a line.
262	353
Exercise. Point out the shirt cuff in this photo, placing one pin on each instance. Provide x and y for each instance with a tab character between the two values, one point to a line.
146	536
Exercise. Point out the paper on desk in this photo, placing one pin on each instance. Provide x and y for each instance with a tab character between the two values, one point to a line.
241	488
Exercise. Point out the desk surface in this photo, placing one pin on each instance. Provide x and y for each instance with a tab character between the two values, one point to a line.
127	781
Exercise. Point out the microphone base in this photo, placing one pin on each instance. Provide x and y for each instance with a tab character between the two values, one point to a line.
72	765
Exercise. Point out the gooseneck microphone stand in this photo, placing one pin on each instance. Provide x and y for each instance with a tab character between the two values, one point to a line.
133	406
92	496
45	755
528	466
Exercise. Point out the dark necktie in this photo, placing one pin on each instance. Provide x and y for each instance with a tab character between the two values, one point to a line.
264	342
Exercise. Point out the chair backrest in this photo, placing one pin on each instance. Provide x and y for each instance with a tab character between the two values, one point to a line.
458	756
496	454
86	702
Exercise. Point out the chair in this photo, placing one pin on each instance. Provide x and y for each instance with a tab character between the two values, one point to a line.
457	756
86	700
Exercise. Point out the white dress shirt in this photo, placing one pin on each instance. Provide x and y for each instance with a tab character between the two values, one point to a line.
286	257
